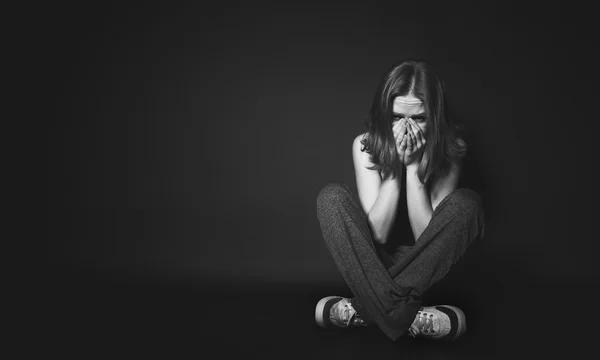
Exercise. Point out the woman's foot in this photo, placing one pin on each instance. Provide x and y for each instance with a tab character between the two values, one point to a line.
337	311
441	322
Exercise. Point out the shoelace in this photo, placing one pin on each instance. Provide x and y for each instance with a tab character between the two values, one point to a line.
349	315
422	324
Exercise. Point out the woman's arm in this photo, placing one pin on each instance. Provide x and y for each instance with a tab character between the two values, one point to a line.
378	197
446	184
420	202
417	201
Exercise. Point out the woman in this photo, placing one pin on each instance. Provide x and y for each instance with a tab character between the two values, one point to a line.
407	169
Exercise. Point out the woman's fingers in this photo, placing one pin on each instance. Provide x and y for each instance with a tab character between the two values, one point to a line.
415	139
421	138
403	130
402	126
403	142
418	134
399	129
395	126
401	145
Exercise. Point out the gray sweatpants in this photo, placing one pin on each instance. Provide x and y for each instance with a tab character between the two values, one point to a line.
387	292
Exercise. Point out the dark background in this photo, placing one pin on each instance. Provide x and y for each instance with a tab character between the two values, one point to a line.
188	144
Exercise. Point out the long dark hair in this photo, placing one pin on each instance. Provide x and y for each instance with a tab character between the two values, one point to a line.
443	135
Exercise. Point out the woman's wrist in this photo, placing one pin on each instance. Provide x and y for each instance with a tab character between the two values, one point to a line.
412	174
412	168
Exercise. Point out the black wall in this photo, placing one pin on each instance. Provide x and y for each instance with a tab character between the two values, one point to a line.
192	142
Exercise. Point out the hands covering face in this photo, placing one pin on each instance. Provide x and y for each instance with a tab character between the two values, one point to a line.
410	141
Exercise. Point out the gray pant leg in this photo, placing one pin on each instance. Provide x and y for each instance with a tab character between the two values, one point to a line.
391	296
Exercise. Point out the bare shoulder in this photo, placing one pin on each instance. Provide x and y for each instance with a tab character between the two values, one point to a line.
361	157
360	137
368	179
357	141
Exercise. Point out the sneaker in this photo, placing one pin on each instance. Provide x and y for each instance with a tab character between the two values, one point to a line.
442	322
337	311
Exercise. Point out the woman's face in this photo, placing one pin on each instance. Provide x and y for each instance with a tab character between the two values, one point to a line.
410	107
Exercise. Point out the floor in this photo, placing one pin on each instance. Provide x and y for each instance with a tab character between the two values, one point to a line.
86	316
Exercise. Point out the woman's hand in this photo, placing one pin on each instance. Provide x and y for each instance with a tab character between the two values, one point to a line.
399	131
415	143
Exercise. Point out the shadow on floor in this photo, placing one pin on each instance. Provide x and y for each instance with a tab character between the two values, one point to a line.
93	317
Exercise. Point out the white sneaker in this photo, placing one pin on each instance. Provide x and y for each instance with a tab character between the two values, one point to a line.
337	311
441	322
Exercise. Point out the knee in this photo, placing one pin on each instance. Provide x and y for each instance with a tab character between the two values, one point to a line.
468	202
466	199
330	194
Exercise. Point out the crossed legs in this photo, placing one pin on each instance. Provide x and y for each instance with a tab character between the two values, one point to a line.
390	296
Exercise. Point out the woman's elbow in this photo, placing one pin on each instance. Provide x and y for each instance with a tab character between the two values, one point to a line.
378	236
380	240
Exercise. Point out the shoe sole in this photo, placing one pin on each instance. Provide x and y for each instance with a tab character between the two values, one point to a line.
319	310
462	321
